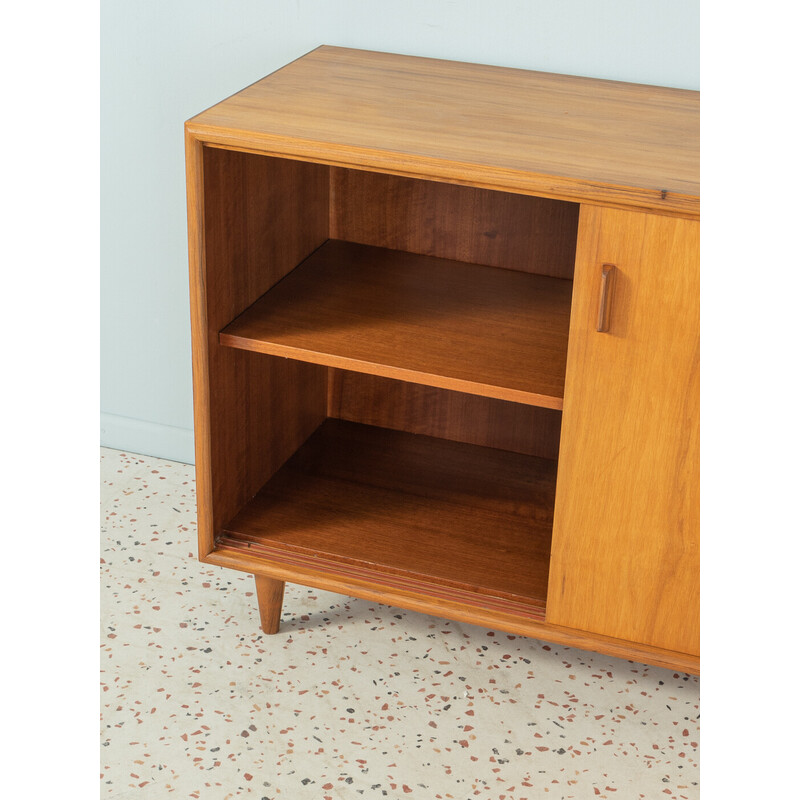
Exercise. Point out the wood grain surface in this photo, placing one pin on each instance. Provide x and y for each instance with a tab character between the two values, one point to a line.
560	136
513	231
458	416
251	220
496	333
399	506
626	534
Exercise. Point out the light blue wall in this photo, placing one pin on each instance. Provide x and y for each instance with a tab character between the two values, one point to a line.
163	61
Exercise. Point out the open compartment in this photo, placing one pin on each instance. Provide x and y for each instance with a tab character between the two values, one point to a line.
444	285
372	496
386	369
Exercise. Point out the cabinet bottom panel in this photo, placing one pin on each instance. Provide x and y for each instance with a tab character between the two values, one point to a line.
411	512
488	612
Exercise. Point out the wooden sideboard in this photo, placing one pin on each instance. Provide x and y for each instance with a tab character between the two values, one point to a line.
445	332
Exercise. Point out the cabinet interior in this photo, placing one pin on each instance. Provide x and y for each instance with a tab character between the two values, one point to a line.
373	414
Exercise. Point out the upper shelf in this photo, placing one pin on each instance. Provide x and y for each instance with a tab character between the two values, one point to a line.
560	136
486	331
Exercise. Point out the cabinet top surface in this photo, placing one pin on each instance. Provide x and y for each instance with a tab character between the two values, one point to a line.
580	139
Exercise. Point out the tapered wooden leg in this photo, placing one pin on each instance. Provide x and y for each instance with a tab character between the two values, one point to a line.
270	602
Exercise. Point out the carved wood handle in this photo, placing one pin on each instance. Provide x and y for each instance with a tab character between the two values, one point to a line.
606	290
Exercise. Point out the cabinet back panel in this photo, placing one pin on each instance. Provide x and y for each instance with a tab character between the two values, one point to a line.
512	231
460	417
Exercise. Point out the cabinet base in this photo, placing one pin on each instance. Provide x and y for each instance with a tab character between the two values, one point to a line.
504	620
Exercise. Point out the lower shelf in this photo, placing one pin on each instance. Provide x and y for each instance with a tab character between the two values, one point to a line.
393	509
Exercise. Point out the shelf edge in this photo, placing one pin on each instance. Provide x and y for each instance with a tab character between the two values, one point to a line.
374	577
387	371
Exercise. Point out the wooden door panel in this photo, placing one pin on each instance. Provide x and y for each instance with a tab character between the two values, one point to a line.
625	551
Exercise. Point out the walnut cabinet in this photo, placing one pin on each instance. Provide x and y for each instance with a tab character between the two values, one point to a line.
445	332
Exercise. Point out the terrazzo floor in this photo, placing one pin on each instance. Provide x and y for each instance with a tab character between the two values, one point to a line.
351	699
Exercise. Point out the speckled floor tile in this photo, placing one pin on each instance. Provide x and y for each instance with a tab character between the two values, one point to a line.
351	699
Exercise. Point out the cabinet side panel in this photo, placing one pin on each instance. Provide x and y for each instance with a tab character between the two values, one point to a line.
513	231
197	304
460	417
625	558
261	217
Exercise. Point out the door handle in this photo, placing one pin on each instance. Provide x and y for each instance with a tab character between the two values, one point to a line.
606	291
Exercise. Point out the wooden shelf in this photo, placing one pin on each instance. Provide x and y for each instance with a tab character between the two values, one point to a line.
492	332
403	510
